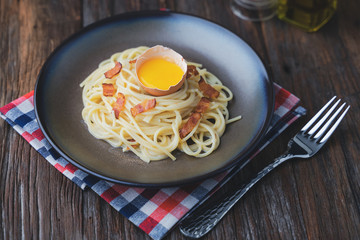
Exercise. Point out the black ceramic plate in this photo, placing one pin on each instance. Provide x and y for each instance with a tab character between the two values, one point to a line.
58	102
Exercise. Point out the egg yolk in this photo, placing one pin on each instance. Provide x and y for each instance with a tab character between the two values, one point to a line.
159	73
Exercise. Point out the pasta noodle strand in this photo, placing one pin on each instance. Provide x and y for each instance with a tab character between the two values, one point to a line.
154	134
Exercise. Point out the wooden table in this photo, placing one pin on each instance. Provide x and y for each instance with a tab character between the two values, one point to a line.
314	199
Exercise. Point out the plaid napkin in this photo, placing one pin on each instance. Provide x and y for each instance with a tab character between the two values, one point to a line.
155	211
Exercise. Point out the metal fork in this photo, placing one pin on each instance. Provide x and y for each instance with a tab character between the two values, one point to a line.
305	144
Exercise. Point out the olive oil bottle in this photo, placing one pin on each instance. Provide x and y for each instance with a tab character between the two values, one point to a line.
310	15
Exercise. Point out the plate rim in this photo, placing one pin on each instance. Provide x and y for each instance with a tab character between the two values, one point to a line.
236	160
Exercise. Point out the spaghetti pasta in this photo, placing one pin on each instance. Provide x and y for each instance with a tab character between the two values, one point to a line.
153	134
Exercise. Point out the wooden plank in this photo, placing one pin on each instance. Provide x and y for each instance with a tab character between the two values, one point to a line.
29	185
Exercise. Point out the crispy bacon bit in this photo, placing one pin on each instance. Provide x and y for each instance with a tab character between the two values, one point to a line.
133	145
208	90
190	124
191	71
203	105
195	117
144	106
108	89
115	70
119	105
132	61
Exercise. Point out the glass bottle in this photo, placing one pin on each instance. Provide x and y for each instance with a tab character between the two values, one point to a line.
310	15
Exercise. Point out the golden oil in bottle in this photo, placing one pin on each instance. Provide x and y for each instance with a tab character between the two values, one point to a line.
310	15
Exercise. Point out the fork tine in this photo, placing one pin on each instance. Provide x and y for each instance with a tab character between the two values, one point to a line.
317	115
322	120
326	125
332	129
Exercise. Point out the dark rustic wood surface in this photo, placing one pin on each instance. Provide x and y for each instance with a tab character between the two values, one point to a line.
303	199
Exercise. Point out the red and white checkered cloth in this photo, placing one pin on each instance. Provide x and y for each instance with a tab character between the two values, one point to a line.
155	211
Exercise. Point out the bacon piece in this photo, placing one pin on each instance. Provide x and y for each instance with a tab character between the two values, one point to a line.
190	124
144	106
207	89
191	71
132	61
115	70
195	117
119	105
108	89
133	145
203	105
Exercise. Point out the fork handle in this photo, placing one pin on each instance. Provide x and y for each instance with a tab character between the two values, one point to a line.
204	218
